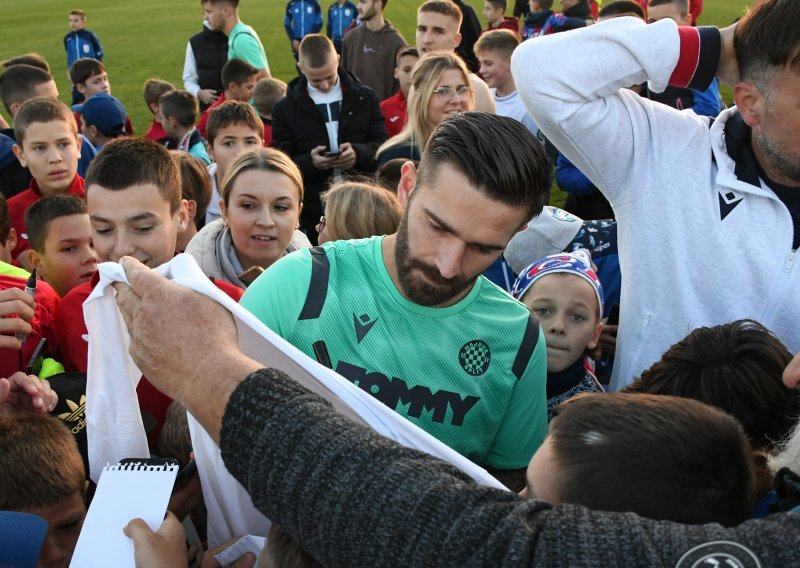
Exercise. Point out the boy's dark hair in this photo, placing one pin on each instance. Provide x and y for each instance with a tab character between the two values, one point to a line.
389	174
84	68
499	4
5	220
445	7
737	367
80	13
405	52
626	8
180	105
476	145
503	41
237	71
18	84
766	39
232	112
39	215
126	162
661	457
195	183
266	93
33	59
154	88
39	462
316	50
544	4
41	109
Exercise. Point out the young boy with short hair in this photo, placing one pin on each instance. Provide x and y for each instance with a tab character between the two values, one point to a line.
102	119
60	237
645	454
563	292
153	89
89	77
395	108
738	368
49	146
494	12
238	79
78	43
43	474
196	190
177	112
266	93
233	128
494	49
136	209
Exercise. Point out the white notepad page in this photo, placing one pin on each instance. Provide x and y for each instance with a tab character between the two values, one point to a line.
124	492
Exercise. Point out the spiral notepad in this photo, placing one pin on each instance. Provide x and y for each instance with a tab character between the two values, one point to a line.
124	492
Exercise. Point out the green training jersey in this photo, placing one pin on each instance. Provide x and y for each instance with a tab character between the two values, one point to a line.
472	375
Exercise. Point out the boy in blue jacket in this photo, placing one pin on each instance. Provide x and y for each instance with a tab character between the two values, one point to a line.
341	14
303	17
79	43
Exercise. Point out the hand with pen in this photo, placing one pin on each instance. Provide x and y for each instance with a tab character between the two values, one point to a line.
16	312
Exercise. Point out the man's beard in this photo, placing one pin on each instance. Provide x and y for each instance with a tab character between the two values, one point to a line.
784	166
420	291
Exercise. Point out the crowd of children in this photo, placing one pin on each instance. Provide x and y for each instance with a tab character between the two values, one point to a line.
441	284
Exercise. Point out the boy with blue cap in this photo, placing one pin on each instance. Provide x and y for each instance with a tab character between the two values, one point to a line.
563	292
103	119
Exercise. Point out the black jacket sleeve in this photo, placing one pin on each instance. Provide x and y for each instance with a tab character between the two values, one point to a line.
353	498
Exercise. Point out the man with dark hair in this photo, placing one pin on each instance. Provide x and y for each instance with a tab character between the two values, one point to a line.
206	53
243	41
329	123
409	318
369	51
621	8
32	58
736	367
684	188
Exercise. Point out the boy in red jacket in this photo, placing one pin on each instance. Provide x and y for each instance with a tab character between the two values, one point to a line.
49	146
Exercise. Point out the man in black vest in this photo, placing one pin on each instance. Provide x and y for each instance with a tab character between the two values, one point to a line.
206	53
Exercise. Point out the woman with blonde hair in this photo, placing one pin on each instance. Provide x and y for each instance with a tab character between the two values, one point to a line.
356	210
262	196
440	87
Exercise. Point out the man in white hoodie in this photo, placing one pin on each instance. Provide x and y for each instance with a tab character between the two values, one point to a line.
707	209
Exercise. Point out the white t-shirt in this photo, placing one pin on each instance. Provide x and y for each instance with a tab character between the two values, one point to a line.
512	107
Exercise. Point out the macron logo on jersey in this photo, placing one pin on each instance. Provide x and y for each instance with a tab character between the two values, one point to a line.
363	325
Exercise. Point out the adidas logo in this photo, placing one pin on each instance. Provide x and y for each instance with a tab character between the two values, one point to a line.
76	416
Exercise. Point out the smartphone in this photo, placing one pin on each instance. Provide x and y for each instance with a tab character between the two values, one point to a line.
335	154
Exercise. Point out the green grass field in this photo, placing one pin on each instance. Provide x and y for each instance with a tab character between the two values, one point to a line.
147	38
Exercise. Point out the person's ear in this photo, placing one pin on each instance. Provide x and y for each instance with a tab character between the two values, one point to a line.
17	149
35	261
153	107
183	215
81	88
750	102
224	211
13	108
595	340
396	72
94	132
408	180
191	207
458	40
11	241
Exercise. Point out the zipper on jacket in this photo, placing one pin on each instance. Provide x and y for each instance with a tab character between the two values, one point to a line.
790	261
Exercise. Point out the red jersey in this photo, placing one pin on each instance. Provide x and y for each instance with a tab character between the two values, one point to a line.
201	125
18	204
70	329
267	131
395	113
156	132
42	324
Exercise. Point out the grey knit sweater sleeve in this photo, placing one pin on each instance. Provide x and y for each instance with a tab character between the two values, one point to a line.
353	498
